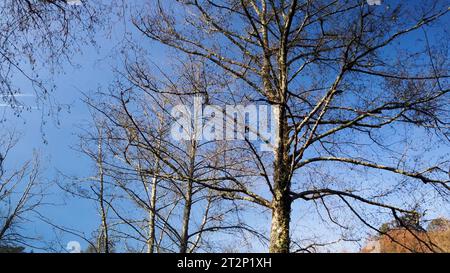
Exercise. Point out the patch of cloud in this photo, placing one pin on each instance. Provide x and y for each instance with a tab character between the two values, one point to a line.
74	2
15	96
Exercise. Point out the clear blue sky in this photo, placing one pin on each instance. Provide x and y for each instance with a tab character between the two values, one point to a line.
60	134
95	71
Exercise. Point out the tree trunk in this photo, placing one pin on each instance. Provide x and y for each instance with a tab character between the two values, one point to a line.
188	199
279	234
103	243
281	204
152	216
186	218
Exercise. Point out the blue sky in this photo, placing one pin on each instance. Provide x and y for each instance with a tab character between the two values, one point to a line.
57	152
55	136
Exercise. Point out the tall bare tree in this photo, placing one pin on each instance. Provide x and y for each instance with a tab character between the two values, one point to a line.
346	78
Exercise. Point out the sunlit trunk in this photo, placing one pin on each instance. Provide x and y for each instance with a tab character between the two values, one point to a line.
281	203
279	234
188	200
151	220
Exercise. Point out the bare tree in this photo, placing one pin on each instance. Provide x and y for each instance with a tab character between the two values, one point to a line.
38	38
346	78
103	241
21	196
165	179
41	33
